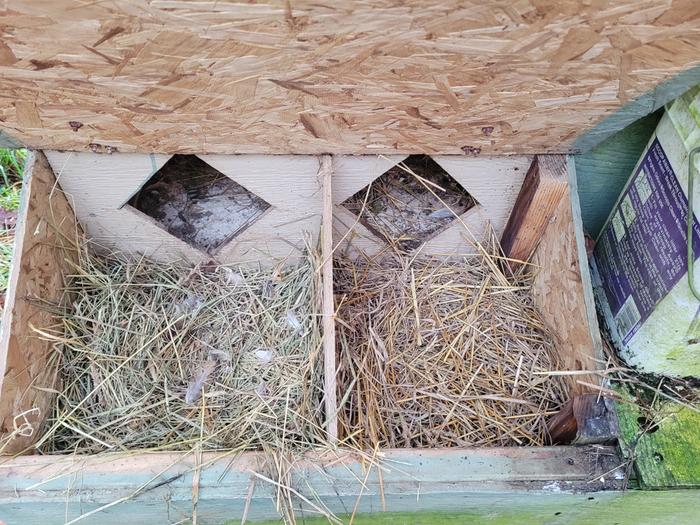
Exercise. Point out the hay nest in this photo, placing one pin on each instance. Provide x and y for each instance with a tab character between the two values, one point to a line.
442	353
153	356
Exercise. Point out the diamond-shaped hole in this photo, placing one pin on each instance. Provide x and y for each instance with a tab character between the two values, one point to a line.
197	203
407	211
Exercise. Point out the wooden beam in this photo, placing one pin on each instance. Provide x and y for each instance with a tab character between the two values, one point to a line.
156	488
428	76
542	189
328	318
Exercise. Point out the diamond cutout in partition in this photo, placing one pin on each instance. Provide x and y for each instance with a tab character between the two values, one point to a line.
408	211
197	203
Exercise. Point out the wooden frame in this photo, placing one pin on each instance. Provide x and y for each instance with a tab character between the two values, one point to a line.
159	487
162	483
98	187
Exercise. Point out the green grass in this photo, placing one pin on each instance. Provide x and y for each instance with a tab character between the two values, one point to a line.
11	167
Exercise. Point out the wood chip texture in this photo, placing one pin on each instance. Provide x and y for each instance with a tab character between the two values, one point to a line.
376	76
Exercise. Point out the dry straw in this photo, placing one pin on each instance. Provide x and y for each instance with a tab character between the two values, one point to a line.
154	356
437	352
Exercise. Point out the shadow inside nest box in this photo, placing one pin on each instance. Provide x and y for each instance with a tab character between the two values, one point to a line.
197	203
411	202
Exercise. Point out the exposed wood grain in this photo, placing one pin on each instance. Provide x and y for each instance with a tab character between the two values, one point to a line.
562	290
544	185
584	419
39	265
364	76
325	176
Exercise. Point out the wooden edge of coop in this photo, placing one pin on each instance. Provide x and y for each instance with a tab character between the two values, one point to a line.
40	262
395	480
546	222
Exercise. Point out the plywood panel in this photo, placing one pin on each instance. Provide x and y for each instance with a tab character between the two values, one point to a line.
45	225
320	76
98	187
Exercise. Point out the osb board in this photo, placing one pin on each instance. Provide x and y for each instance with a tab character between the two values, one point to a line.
562	291
37	273
317	76
99	186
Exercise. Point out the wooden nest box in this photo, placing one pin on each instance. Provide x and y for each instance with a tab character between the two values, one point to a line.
294	112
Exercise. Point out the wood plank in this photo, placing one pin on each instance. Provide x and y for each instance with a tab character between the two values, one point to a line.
364	77
584	419
411	479
633	507
325	175
46	221
544	185
494	182
604	171
100	185
562	290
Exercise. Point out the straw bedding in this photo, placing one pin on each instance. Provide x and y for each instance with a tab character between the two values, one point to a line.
441	353
166	357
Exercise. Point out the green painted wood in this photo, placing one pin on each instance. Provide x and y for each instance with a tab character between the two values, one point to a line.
604	170
630	508
666	451
8	142
621	508
638	108
160	485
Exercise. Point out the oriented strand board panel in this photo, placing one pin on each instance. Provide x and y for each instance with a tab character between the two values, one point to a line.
319	76
563	294
46	223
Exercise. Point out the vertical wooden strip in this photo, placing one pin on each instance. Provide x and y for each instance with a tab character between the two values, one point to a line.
562	290
328	323
543	188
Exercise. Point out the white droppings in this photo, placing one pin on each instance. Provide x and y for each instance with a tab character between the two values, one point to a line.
264	355
293	321
552	487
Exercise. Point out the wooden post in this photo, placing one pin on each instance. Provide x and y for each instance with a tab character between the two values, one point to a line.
328	322
544	186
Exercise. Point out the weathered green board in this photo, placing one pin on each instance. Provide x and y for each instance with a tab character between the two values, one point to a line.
666	450
626	508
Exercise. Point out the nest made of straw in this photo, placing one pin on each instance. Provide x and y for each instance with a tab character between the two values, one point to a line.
441	353
164	356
